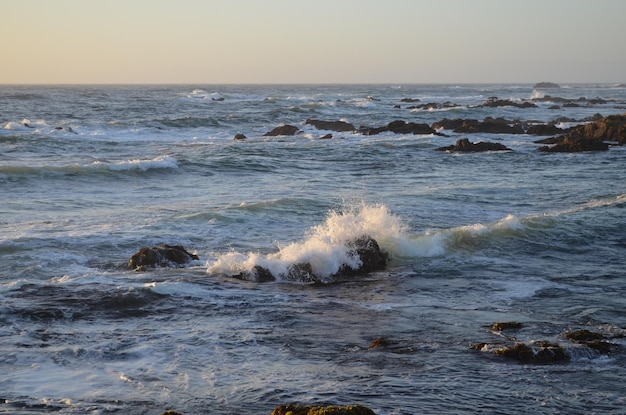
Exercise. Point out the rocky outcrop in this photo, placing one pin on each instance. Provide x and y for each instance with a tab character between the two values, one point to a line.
366	248
399	127
595	341
543	129
282	130
488	125
298	409
494	102
466	146
593	136
160	256
339	126
546	85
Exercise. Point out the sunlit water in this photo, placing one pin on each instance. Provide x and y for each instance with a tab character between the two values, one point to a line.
88	175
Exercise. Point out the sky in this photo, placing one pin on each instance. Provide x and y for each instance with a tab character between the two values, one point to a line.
311	41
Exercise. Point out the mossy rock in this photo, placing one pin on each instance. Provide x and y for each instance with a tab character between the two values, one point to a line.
590	339
541	352
297	409
509	325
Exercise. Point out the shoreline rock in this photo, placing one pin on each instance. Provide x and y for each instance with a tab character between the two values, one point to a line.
288	130
338	126
589	137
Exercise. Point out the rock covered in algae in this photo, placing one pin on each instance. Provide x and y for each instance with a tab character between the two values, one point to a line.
297	409
540	352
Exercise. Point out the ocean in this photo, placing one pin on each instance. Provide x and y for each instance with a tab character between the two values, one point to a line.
90	174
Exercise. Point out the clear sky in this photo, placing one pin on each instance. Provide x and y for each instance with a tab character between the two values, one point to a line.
312	41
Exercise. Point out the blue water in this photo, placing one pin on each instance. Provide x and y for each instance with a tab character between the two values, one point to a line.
88	175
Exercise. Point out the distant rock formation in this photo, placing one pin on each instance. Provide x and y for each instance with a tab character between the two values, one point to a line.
488	125
465	145
494	102
593	136
546	85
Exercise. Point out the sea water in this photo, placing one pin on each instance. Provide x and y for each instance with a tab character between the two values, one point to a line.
90	174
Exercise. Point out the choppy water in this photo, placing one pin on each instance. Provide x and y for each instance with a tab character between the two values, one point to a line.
88	175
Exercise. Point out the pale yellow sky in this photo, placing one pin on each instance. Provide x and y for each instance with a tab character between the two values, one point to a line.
321	41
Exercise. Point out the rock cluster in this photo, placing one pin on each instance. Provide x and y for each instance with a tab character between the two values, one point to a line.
297	409
594	136
465	145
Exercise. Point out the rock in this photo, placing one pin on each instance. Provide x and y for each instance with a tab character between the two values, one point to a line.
575	145
240	137
488	125
297	409
410	100
493	102
282	130
326	137
543	129
372	257
366	248
540	352
380	342
258	274
339	126
509	325
170	412
590	339
399	127
160	256
546	85
466	146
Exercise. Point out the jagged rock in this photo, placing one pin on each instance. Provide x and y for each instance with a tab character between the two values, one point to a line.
399	127
160	256
488	125
575	145
258	274
540	352
282	130
339	126
493	102
591	339
240	137
465	145
298	409
543	129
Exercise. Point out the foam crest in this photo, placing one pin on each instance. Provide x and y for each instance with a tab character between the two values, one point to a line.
160	162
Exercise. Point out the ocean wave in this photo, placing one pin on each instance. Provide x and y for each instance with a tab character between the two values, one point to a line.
160	162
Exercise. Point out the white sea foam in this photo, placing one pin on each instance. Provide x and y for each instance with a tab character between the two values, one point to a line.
325	245
160	162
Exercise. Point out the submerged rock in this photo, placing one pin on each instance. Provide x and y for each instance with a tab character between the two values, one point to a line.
466	146
160	256
509	325
540	352
298	409
591	339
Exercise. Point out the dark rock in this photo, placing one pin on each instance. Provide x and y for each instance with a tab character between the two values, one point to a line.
543	129
170	412
592	340
371	256
160	256
494	102
298	409
465	145
540	352
380	342
339	126
410	100
575	145
258	274
509	325
546	85
282	130
399	127
326	137
240	137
